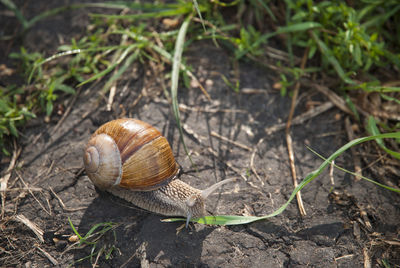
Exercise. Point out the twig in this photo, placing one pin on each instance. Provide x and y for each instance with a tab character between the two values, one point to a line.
367	258
247	90
356	158
63	205
24	220
191	75
94	264
4	180
34	197
302	118
36	138
289	138
185	108
110	101
344	257
35	189
293	169
113	88
136	101
252	167
50	168
386	115
332	96
140	253
327	134
364	216
48	256
238	144
391	242
331	168
196	136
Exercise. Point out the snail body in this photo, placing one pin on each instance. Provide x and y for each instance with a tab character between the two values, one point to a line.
132	160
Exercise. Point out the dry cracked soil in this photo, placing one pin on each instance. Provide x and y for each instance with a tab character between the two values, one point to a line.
341	221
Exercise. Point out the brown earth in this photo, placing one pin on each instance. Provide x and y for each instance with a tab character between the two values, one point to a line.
334	233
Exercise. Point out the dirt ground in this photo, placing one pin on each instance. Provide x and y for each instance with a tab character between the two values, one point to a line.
347	223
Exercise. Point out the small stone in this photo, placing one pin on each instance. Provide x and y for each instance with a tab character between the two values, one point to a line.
209	82
73	238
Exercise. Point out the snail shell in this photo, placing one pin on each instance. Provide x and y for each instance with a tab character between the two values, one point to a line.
132	160
130	154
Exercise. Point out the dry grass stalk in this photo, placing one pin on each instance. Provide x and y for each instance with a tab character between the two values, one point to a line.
238	144
35	229
355	156
289	138
47	255
300	119
6	177
63	205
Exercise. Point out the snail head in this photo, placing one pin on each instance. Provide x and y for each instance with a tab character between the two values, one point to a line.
196	202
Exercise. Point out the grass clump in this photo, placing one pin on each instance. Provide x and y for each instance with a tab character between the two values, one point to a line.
98	241
19	103
347	42
12	114
107	50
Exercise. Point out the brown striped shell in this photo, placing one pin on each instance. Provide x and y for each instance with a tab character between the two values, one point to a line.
131	154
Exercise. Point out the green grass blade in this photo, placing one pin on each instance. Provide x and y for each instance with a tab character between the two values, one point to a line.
168	56
258	42
55	11
145	7
74	229
389	98
111	67
11	6
180	10
68	53
351	106
328	54
304	26
382	89
196	6
358	175
219	220
299	27
105	225
234	220
12	128
121	70
372	128
289	43
381	18
55	56
223	4
393	57
51	12
267	9
176	65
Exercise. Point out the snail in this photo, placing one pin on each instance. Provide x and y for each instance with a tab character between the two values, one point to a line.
133	161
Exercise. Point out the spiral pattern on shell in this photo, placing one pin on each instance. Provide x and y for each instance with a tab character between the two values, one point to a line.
131	154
